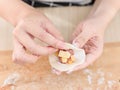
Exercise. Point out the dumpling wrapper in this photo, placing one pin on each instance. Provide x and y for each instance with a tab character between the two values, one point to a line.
79	59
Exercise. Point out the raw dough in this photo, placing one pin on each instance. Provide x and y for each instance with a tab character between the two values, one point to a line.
78	53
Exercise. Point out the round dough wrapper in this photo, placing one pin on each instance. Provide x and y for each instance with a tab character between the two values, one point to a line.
79	56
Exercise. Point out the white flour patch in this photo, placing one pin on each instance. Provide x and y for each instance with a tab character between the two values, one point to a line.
89	74
87	71
111	83
89	78
101	81
100	72
11	79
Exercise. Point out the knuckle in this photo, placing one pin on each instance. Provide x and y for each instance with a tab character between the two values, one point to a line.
16	58
22	23
20	26
15	32
31	48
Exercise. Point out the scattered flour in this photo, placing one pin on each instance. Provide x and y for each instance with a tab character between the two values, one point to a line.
100	72
11	79
89	74
101	80
111	83
89	78
87	71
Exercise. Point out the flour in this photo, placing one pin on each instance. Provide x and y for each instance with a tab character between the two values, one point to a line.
89	74
87	71
111	83
100	81
11	79
99	71
89	78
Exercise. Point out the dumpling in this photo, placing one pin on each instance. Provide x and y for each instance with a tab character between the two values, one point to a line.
79	55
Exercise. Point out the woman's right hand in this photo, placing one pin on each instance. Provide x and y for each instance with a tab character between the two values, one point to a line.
35	25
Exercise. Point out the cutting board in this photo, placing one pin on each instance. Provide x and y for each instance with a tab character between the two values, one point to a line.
104	74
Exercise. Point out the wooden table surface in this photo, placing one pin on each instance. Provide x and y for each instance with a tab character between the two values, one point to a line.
104	74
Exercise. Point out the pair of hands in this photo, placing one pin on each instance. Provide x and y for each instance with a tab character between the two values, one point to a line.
88	35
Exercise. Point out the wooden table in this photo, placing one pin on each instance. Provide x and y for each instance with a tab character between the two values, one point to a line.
104	74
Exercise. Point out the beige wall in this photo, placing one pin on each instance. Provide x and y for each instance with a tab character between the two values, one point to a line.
5	35
65	20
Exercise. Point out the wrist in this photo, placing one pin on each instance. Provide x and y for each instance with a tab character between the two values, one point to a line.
21	14
17	10
104	10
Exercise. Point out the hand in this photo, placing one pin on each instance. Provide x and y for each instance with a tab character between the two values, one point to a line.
35	25
89	35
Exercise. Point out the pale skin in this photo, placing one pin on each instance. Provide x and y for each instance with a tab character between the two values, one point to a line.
30	24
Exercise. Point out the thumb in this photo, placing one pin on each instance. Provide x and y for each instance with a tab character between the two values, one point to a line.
82	39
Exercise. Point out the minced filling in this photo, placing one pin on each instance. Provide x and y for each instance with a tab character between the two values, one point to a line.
66	56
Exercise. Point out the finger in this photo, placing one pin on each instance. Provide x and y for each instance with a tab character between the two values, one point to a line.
82	39
47	38
53	31
20	56
86	64
76	32
30	45
91	57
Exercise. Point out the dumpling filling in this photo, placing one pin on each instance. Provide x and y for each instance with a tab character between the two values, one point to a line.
67	60
66	56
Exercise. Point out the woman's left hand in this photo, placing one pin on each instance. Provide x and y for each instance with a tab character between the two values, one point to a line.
89	35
